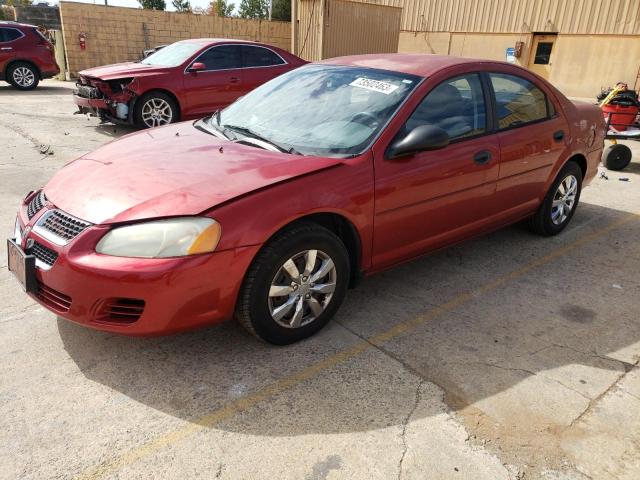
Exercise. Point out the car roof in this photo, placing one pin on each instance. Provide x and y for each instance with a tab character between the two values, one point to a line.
9	23
218	40
421	64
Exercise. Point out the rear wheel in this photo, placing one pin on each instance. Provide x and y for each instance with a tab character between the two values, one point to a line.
616	156
23	76
155	109
560	203
295	285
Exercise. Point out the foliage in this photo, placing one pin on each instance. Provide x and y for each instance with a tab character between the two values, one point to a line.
221	8
254	9
19	3
281	10
182	5
153	4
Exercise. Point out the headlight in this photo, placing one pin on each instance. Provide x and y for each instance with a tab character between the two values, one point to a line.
173	237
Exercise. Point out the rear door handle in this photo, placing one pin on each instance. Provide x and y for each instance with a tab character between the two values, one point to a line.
482	157
6	48
558	136
234	79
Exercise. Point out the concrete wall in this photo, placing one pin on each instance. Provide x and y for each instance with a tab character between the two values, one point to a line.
581	64
116	34
48	17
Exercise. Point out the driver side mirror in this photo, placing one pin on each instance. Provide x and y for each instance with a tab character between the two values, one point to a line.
197	67
420	139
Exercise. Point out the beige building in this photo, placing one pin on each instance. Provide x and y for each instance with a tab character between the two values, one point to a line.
579	45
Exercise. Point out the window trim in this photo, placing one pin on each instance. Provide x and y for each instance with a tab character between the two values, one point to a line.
547	99
22	34
189	64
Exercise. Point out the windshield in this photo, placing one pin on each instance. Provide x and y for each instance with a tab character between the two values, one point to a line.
320	110
172	55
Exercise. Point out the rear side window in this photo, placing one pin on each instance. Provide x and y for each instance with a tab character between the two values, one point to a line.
456	106
9	34
224	57
259	57
518	101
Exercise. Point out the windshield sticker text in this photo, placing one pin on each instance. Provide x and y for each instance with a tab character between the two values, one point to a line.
374	85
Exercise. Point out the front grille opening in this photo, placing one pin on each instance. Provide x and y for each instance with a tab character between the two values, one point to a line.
44	254
121	310
53	299
36	204
62	225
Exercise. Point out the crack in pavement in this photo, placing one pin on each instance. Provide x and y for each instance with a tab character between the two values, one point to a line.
593	354
405	424
597	399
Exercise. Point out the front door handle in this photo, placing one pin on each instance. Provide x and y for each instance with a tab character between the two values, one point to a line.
558	136
482	157
6	48
234	79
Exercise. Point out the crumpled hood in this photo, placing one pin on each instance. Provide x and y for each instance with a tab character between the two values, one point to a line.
173	170
121	70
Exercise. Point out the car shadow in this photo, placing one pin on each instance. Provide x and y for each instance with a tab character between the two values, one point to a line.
537	322
6	89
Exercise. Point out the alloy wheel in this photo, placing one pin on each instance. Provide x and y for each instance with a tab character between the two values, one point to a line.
564	199
302	289
156	112
24	77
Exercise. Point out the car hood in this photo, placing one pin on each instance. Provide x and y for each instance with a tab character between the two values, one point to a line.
121	70
173	170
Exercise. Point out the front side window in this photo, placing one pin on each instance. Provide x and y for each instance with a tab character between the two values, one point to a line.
9	34
321	110
259	57
223	57
518	101
173	55
456	106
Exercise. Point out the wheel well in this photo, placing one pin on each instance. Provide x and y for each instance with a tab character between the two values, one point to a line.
346	231
581	161
17	60
166	92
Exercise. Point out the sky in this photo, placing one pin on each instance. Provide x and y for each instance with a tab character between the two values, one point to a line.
135	4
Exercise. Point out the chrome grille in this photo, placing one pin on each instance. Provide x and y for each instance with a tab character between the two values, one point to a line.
62	225
43	254
36	204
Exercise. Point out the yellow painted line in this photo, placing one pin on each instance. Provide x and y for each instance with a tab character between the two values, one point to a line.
244	403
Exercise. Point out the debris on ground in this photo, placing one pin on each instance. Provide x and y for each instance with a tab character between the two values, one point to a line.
624	179
46	149
604	175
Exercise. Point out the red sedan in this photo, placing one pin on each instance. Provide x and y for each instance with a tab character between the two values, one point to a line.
182	81
272	208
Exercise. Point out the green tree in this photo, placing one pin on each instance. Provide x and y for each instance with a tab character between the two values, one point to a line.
221	8
153	4
19	3
182	5
281	10
254	9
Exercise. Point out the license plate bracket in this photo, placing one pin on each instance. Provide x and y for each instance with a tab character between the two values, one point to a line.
22	265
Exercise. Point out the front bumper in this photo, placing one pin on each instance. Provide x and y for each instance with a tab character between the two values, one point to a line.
165	295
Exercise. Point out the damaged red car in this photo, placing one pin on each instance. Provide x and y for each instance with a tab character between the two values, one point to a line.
269	210
185	80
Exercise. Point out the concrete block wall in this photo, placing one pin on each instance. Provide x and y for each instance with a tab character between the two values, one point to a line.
118	34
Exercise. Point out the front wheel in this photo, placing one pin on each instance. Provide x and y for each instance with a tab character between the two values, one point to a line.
295	285
560	203
155	109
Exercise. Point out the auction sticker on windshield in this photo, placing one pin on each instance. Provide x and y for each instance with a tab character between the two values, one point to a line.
374	85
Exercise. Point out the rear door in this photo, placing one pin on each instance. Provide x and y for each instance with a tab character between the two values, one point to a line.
436	197
217	86
532	137
8	44
260	65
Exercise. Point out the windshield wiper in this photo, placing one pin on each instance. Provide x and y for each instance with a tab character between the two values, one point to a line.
250	133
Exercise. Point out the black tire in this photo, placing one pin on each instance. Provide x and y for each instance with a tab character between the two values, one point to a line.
138	119
23	76
542	222
252	309
616	156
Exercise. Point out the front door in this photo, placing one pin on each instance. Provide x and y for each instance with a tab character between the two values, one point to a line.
219	85
435	197
540	59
